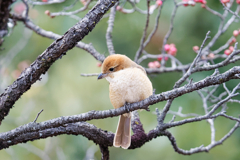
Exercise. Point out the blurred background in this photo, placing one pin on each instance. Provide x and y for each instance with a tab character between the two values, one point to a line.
63	92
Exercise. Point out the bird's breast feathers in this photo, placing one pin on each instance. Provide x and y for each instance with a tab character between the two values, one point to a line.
131	84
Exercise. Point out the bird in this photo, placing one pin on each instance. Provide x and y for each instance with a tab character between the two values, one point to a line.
128	83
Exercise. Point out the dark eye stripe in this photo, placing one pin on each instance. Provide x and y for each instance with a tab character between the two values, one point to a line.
111	69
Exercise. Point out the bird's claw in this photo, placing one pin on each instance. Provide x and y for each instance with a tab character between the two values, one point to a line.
147	109
127	106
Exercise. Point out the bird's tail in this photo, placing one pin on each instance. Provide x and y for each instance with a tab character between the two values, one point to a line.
123	134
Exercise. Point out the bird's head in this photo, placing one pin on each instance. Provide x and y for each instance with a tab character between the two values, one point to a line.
114	63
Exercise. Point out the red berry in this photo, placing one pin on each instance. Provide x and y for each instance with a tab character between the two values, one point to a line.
203	6
203	1
157	64
227	52
44	0
159	2
238	1
159	58
172	45
151	65
211	55
235	33
167	47
185	2
195	48
47	12
173	51
231	48
225	1
233	41
119	8
99	64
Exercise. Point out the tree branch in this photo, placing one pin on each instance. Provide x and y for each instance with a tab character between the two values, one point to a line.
55	51
105	152
61	125
29	24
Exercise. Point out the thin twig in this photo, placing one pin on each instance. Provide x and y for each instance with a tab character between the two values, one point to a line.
110	29
89	75
37	116
72	12
226	8
139	52
188	73
169	31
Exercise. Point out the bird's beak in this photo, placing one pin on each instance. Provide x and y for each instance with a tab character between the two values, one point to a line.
102	75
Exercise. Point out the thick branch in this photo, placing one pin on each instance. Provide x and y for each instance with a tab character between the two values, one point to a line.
55	51
29	24
82	128
105	152
37	128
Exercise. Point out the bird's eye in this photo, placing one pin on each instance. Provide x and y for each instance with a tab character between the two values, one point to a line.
111	69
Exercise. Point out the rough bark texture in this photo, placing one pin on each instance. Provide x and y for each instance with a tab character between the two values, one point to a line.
81	128
55	51
4	15
105	152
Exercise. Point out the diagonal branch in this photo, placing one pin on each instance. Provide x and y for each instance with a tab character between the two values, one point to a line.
139	51
105	152
55	51
188	73
29	24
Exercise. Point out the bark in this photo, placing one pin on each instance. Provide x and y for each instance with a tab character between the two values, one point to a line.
4	15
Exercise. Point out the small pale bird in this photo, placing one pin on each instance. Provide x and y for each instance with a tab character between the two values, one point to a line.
128	84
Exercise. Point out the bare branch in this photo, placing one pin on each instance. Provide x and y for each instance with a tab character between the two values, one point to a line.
105	152
170	30
109	30
180	114
234	13
45	3
197	149
56	50
72	12
139	52
213	12
188	73
29	24
62	121
89	75
155	27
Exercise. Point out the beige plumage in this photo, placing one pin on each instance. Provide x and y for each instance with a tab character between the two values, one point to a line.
128	84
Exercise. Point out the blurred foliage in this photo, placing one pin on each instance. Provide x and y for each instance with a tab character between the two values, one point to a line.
64	92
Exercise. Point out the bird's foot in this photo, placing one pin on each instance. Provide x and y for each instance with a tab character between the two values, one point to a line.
127	106
147	109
